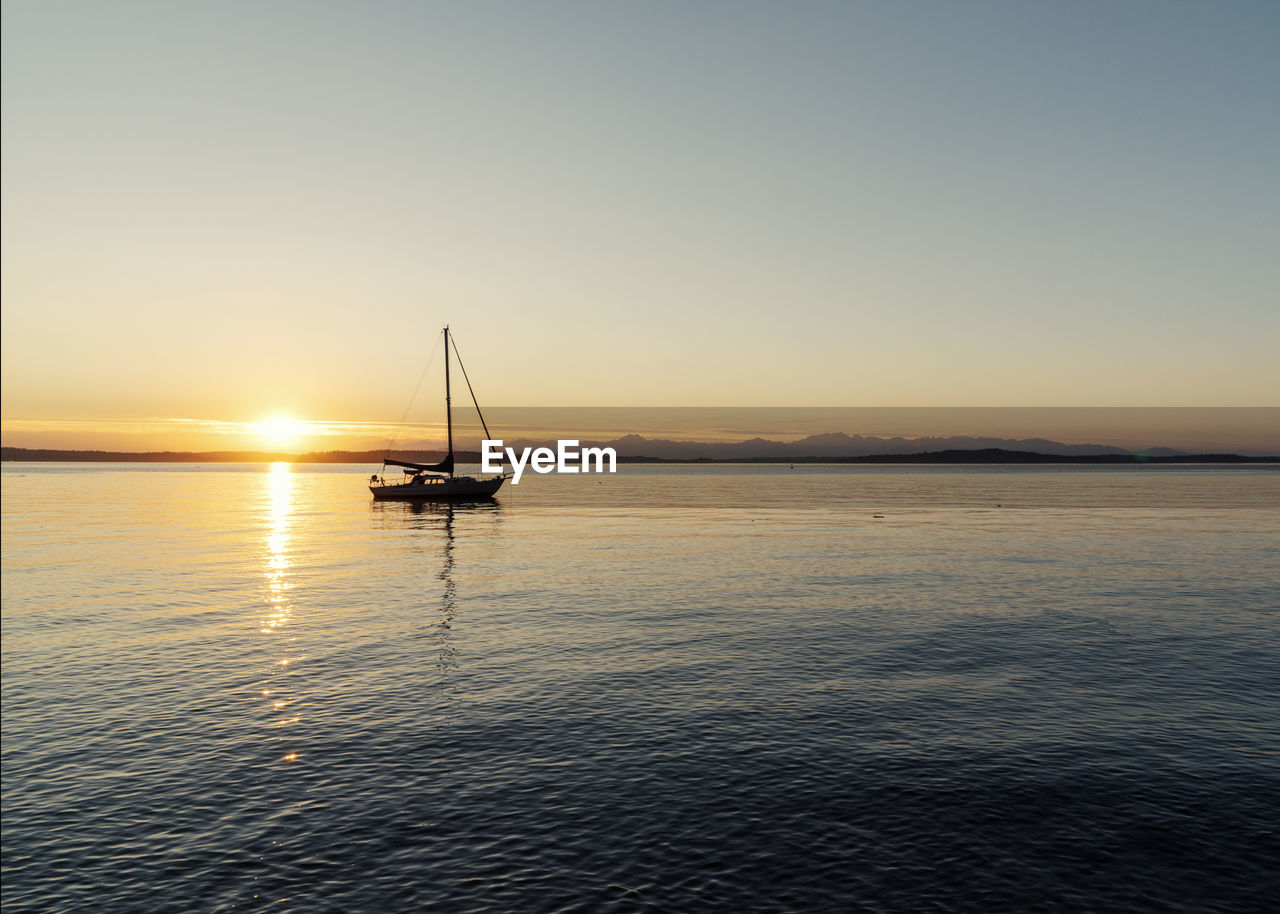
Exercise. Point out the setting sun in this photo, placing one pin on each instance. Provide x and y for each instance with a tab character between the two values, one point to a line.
280	430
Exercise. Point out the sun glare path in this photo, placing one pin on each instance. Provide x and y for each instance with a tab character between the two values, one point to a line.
278	516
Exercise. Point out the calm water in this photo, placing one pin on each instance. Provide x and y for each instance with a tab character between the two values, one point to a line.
676	689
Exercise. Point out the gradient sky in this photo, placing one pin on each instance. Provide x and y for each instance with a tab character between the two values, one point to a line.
228	211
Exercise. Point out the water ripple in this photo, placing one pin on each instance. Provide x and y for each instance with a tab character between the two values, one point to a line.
259	690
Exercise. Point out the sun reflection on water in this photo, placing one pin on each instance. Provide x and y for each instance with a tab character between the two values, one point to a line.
279	510
277	560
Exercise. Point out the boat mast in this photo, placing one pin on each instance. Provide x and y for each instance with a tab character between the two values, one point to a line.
448	404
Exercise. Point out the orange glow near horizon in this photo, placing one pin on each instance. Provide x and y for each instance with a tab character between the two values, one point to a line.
1195	429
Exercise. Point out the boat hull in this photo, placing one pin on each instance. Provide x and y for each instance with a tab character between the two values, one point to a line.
448	487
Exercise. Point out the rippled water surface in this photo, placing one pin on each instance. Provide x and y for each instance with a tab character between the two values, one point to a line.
676	689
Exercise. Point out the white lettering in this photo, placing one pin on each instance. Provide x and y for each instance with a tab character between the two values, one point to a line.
599	453
518	464
543	461
565	452
566	458
490	450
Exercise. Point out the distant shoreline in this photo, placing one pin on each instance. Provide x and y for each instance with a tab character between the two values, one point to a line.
978	456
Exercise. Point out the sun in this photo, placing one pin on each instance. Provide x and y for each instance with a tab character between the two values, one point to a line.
280	430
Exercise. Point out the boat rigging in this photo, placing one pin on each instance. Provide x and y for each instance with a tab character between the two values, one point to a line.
438	480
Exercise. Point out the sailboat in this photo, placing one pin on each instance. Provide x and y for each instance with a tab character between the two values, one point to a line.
423	481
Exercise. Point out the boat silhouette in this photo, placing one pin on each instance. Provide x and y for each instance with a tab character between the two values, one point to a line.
430	481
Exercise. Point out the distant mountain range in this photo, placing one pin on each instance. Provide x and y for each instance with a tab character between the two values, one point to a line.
837	446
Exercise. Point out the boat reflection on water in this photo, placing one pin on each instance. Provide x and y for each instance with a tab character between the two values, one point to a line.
432	515
444	517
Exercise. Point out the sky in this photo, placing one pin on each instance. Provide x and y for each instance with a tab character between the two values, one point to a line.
238	222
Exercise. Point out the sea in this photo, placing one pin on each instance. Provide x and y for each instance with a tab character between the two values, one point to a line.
677	689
